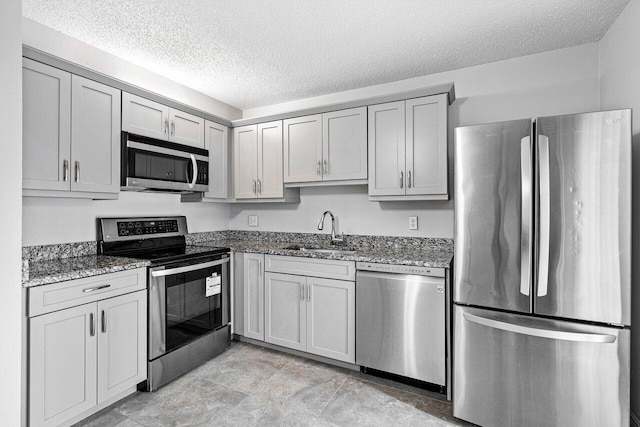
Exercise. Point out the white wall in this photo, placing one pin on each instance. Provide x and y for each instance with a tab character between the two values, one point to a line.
620	88
51	220
10	211
58	44
556	82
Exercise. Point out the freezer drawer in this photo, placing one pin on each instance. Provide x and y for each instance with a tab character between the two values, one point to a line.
515	370
400	325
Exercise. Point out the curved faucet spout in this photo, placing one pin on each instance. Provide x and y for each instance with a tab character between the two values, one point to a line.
334	239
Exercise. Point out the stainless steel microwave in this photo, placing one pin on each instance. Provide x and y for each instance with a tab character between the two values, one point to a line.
150	164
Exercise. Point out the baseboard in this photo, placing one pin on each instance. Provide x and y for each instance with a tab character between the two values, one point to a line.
635	421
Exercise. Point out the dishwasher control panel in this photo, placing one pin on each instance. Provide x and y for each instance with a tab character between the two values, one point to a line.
400	269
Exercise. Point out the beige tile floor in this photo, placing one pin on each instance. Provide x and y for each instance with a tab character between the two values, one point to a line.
253	386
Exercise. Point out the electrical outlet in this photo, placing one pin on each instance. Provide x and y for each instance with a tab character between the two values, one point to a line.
413	223
253	220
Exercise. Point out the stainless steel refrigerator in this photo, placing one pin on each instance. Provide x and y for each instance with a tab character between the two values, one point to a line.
542	277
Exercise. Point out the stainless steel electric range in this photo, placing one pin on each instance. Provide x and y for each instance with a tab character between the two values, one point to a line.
189	292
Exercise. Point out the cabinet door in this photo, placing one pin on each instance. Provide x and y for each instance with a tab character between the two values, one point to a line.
46	126
331	320
62	365
270	184
95	136
387	149
122	343
253	296
245	161
285	310
344	144
186	128
216	141
303	149
144	117
426	149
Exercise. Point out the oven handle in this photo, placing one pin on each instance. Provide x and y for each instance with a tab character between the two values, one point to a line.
160	273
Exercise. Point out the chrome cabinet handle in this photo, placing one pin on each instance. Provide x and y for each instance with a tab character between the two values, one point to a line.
166	126
308	292
65	170
97	288
77	171
259	187
173	127
326	167
254	187
319	167
545	215
104	321
92	326
401	179
409	179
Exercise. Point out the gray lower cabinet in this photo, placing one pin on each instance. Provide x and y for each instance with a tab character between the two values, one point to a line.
85	357
311	314
71	134
253	298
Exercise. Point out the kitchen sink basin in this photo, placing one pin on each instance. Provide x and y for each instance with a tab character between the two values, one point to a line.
334	250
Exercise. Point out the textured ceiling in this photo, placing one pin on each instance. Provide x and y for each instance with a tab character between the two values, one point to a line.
254	53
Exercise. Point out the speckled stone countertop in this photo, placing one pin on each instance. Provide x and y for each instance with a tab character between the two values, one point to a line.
42	265
423	252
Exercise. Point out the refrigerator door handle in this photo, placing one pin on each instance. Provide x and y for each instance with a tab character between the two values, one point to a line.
541	333
545	215
527	224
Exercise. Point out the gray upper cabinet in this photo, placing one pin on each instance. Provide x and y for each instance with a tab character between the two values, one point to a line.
257	161
149	118
71	134
344	145
46	119
408	149
95	136
326	147
216	141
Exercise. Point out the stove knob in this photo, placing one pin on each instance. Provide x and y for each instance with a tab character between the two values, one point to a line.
138	230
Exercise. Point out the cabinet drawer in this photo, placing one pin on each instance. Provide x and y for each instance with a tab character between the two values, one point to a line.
58	296
331	269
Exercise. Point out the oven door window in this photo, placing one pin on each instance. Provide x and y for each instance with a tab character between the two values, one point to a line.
190	313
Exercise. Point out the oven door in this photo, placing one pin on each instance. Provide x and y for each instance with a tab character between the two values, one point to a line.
187	300
160	165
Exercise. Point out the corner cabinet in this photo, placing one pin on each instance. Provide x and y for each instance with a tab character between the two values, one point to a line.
408	149
88	347
326	147
144	117
71	134
257	154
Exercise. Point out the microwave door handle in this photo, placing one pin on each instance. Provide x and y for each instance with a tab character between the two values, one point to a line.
160	273
194	170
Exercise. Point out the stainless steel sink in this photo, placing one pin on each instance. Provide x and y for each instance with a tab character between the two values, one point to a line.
332	251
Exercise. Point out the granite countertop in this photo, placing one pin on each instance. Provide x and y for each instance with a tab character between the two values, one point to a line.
43	272
436	256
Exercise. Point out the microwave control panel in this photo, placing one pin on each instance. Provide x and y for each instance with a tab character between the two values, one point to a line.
133	228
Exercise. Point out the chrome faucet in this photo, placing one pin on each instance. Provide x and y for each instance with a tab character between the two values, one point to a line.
334	240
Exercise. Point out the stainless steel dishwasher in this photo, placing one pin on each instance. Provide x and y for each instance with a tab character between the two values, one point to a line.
401	321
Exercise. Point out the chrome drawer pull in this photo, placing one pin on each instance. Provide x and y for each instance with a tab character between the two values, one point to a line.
96	288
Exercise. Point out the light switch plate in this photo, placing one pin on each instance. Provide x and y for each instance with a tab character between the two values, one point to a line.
413	223
253	220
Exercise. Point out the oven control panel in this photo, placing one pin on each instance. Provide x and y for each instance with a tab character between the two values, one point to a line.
139	228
